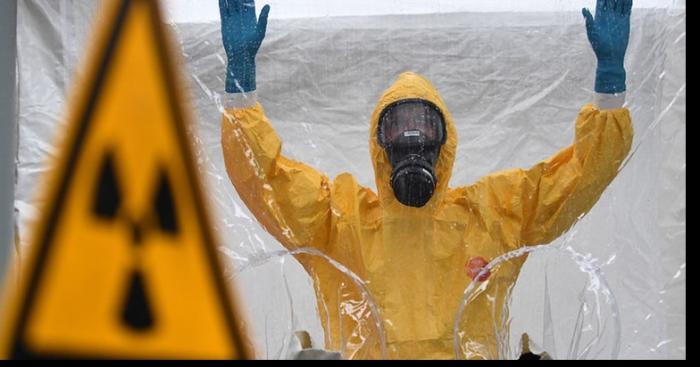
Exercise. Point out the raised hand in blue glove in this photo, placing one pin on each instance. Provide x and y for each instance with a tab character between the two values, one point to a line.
609	35
242	34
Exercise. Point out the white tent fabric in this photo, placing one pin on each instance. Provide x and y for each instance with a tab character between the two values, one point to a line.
513	80
202	11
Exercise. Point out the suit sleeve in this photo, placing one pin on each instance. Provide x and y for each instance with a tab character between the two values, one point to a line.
290	199
534	206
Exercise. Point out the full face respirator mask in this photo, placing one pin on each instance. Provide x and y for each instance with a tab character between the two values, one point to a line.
412	133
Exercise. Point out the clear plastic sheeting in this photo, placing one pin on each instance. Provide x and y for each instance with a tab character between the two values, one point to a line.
613	286
572	314
366	331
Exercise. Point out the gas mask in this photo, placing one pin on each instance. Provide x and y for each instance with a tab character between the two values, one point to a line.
412	133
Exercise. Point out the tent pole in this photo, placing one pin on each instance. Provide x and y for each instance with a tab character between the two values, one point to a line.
8	128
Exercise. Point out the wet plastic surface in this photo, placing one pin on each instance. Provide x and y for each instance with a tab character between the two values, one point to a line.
611	287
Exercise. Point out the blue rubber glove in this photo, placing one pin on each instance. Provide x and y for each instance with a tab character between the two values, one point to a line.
242	35
609	35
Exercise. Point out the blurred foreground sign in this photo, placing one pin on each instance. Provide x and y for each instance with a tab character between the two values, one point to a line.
123	263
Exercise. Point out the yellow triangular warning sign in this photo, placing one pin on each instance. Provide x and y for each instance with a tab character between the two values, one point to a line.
123	263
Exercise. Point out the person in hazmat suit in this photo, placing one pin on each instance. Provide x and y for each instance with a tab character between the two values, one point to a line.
412	239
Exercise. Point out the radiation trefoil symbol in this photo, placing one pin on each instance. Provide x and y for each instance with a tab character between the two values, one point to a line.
136	310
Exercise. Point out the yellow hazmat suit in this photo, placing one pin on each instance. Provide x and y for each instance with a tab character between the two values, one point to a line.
413	259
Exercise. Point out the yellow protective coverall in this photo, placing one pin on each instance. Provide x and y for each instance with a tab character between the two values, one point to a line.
413	259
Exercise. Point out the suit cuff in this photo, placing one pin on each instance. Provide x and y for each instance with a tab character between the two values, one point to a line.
606	101
240	100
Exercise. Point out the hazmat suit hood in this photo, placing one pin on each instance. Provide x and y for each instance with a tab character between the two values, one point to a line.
411	86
